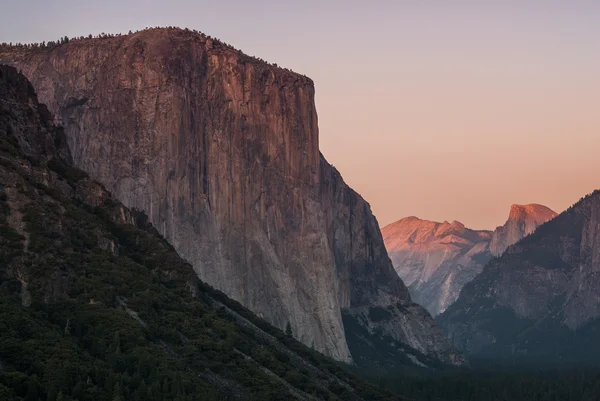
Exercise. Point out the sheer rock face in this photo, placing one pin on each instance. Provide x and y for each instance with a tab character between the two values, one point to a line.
435	260
57	225
522	221
540	298
221	151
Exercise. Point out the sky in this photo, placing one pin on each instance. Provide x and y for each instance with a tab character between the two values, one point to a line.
445	110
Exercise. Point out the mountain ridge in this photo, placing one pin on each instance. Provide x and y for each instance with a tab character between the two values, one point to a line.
538	296
435	260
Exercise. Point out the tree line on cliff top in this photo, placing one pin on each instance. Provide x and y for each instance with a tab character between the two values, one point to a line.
65	39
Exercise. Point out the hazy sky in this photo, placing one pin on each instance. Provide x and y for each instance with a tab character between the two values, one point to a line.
447	110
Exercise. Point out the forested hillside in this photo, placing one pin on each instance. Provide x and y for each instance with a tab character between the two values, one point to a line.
95	305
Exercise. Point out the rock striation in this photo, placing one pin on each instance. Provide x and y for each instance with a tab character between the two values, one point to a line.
221	151
435	260
538	301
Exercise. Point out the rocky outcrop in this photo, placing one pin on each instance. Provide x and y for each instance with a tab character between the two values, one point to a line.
221	151
435	260
538	301
522	221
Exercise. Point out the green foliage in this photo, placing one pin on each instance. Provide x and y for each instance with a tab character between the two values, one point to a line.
113	316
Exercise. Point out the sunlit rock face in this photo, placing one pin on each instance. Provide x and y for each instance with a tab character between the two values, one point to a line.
435	260
522	221
221	151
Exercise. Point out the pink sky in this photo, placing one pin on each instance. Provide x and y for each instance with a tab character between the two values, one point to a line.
443	111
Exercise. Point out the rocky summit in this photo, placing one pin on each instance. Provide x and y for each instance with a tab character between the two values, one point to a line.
522	221
435	260
221	151
539	300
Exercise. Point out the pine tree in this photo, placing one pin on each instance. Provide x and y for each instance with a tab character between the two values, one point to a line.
288	329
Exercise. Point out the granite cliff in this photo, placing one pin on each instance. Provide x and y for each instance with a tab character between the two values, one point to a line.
435	260
522	221
539	300
221	151
95	305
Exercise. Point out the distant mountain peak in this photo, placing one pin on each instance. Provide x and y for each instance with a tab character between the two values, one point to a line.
412	230
537	302
409	218
457	224
539	213
422	251
435	260
522	221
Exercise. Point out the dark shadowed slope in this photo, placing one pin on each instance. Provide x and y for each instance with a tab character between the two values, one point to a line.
539	300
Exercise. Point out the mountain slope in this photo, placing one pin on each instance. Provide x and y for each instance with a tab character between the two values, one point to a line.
95	305
435	260
221	151
537	302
